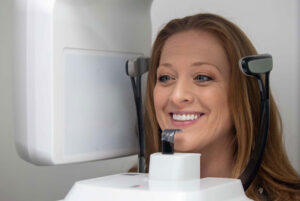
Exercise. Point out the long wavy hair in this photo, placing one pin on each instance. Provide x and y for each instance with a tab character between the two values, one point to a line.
276	175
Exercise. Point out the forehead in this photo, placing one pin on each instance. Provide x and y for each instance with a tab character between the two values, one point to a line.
194	46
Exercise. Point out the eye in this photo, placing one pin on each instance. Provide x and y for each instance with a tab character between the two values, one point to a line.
202	78
164	78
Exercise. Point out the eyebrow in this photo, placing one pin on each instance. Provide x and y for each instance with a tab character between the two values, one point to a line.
198	63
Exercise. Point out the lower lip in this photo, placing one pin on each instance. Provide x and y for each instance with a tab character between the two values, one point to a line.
184	123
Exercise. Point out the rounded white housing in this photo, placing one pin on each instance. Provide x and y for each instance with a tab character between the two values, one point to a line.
174	167
173	177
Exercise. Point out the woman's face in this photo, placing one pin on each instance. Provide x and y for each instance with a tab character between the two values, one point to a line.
191	91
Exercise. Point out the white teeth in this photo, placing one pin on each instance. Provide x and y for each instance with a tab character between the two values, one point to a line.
185	117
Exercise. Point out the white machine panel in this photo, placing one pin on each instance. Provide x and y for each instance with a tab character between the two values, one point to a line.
99	106
136	187
73	99
173	177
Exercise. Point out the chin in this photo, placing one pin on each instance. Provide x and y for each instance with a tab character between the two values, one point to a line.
186	147
186	144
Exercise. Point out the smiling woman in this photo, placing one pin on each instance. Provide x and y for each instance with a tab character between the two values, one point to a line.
193	74
195	84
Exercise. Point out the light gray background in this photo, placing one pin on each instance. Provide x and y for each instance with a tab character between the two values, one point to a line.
21	181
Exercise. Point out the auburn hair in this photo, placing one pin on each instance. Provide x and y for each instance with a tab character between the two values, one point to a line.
275	175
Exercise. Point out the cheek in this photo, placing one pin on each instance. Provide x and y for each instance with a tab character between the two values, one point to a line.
161	99
216	101
216	97
221	112
160	96
159	102
156	98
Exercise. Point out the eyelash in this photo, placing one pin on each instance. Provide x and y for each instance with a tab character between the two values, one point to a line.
200	78
207	78
162	77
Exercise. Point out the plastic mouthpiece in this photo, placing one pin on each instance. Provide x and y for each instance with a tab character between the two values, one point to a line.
167	140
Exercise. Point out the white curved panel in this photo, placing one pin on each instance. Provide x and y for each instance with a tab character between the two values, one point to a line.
33	90
45	31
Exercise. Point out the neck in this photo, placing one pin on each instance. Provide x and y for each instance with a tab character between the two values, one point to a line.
217	160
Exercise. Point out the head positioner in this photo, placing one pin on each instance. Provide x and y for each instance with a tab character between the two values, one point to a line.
257	66
135	68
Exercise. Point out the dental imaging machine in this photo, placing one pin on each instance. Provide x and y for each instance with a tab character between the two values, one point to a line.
78	97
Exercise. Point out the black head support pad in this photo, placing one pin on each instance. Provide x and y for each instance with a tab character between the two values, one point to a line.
256	64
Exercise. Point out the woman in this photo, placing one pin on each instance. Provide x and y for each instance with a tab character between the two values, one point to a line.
194	83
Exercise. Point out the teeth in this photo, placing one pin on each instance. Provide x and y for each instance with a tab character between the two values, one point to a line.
185	117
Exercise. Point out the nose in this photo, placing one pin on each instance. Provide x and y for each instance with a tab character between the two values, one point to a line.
182	93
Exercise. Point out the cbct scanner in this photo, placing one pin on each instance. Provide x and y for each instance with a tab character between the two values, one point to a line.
74	60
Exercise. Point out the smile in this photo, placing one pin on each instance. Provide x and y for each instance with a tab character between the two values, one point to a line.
186	116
